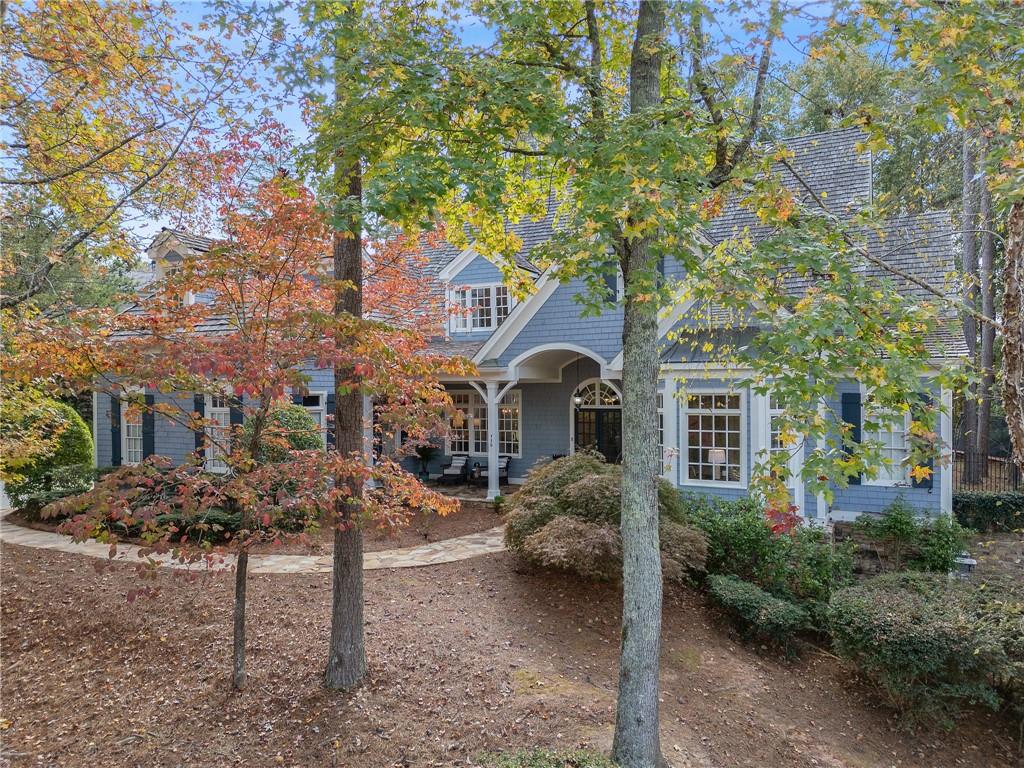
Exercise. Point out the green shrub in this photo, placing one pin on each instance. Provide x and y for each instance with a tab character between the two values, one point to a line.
684	552
597	498
932	644
914	542
544	758
571	544
527	515
757	612
803	567
288	428
579	496
986	512
66	471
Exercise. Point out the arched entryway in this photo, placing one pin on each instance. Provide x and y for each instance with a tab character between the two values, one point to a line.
597	419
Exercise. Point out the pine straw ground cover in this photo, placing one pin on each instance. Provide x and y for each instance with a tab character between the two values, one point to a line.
465	658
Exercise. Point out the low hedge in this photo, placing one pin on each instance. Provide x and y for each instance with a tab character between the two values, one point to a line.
912	541
986	512
803	567
933	645
757	612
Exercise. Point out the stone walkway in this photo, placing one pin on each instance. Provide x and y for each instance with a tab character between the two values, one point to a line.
447	551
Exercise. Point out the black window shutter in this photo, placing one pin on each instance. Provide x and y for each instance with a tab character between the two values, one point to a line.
296	398
661	266
929	481
850	402
115	431
199	406
236	414
148	429
330	420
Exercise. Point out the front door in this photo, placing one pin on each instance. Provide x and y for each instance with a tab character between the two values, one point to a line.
600	429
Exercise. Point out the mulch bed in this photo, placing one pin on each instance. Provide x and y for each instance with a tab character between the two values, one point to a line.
465	658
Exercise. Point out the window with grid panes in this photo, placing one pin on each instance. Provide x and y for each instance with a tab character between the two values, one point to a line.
714	439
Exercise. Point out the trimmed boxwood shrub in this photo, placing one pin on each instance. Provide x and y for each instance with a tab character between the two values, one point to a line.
566	516
986	512
758	613
66	471
931	644
288	427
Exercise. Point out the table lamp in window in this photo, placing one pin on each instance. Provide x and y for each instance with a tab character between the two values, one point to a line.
716	457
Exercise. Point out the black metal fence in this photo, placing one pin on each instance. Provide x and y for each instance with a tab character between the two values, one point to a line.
980	472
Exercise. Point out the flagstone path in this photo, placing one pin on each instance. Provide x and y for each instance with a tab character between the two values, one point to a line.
447	551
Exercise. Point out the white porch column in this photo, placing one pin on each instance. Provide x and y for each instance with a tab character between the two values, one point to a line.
492	397
945	465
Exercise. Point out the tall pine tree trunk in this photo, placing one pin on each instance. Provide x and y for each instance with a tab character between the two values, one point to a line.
1013	331
988	332
637	743
346	661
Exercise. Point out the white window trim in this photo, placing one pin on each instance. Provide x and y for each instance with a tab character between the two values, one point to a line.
475	401
210	451
322	410
896	476
124	404
762	412
461	321
684	438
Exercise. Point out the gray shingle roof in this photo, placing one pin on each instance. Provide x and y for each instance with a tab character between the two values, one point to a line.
827	162
195	242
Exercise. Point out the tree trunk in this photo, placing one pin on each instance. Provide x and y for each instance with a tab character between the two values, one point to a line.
1013	331
346	663
238	675
637	742
969	266
346	660
988	332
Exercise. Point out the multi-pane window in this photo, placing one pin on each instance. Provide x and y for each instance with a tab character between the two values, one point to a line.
891	436
218	432
508	425
661	424
502	303
779	452
714	437
131	433
481	307
597	394
467	430
479	425
459	427
315	405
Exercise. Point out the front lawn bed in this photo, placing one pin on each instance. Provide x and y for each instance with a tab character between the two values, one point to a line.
466	659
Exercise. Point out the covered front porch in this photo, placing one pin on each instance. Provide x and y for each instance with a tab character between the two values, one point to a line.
545	403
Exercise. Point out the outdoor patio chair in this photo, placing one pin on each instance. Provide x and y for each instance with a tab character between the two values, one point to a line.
454	471
502	471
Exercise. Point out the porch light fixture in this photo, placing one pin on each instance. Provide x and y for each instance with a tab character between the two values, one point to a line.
577	398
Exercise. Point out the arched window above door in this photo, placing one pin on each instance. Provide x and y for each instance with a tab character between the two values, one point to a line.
597	394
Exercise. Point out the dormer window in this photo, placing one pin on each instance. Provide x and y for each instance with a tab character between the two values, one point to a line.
169	266
481	307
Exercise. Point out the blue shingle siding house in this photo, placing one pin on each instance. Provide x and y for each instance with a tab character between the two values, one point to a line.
549	377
